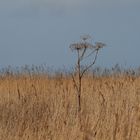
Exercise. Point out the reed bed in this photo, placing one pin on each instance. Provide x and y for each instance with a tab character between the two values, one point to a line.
39	107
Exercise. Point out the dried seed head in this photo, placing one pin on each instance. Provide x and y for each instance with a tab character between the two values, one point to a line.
81	46
99	45
85	37
85	45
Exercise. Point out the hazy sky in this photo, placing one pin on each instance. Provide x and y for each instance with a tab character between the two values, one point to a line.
40	31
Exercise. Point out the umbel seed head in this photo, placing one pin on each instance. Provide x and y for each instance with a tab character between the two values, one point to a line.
99	45
85	37
81	46
85	45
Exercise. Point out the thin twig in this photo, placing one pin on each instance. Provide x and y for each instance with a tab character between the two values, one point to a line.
81	57
90	54
90	65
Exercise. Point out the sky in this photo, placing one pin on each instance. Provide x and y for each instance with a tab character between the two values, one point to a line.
40	31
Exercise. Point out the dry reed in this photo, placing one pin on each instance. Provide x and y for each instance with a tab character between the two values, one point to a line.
42	108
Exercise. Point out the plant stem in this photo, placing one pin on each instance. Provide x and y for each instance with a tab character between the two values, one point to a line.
79	81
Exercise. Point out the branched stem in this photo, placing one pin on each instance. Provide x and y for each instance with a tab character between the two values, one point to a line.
81	49
90	65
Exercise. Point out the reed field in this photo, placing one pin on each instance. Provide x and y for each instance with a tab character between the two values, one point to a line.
39	107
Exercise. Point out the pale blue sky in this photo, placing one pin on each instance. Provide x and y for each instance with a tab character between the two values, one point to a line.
40	31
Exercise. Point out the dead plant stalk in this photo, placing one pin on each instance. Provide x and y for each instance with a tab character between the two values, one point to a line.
84	50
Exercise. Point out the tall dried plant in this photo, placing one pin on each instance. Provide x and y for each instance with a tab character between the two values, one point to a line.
84	50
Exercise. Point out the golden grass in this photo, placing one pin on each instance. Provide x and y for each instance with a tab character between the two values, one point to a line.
42	108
